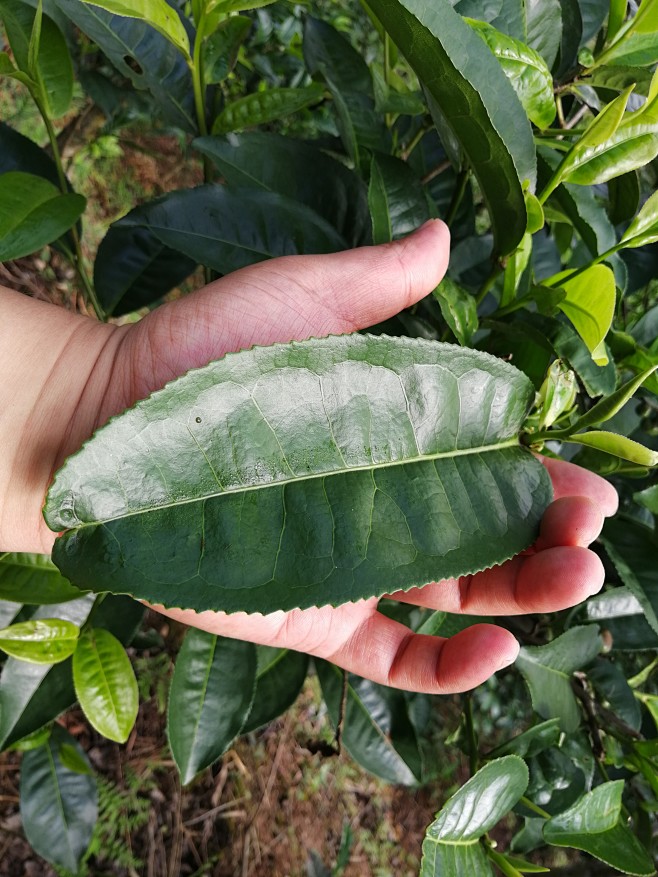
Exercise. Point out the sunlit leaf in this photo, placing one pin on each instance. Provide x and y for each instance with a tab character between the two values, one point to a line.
158	13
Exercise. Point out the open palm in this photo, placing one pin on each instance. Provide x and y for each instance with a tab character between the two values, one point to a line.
302	296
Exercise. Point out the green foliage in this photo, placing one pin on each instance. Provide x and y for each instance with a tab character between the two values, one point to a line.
532	129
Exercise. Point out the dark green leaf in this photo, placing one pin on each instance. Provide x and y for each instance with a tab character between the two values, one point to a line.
623	197
157	13
228	229
33	579
33	213
619	78
58	805
452	840
594	824
220	49
459	309
281	674
328	54
53	67
531	742
610	683
525	69
548	670
632	549
211	695
143	56
572	30
593	13
400	198
19	153
266	106
105	684
476	100
407	471
298	170
134	269
45	641
544	28
369	714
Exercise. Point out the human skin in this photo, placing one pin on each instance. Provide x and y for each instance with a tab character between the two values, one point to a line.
64	375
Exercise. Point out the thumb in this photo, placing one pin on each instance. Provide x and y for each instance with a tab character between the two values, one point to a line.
296	297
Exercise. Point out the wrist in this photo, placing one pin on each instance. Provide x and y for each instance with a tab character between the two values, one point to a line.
55	370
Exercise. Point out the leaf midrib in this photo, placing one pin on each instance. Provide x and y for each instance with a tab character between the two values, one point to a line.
460	452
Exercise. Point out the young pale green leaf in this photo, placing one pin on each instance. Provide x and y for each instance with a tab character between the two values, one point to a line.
557	394
644	228
607	407
633	42
42	55
472	811
548	670
514	864
615	18
224	7
617	445
371	710
33	579
33	213
105	684
594	824
459	310
157	13
632	145
280	677
526	70
58	805
535	213
46	641
475	100
297	170
266	106
292	475
211	695
590	305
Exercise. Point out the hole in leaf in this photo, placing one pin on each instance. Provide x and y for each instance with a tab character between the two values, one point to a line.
133	64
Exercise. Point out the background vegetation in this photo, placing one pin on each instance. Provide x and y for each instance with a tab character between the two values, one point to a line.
532	129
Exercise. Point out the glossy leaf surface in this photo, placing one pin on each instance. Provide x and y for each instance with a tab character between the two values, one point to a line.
526	70
590	305
373	463
58	805
476	101
632	549
105	684
548	670
595	824
211	694
298	170
452	840
371	711
644	227
617	445
33	213
33	579
459	310
398	203
46	641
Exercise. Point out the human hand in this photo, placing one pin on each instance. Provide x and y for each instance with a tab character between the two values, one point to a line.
298	297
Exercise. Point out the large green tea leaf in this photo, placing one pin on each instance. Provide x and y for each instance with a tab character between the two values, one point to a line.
305	474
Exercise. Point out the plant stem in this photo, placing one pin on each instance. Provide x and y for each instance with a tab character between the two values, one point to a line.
90	292
413	143
196	68
535	809
586	267
489	282
457	195
470	735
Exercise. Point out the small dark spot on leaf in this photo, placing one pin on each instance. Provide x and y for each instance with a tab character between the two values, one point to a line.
133	64
198	419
